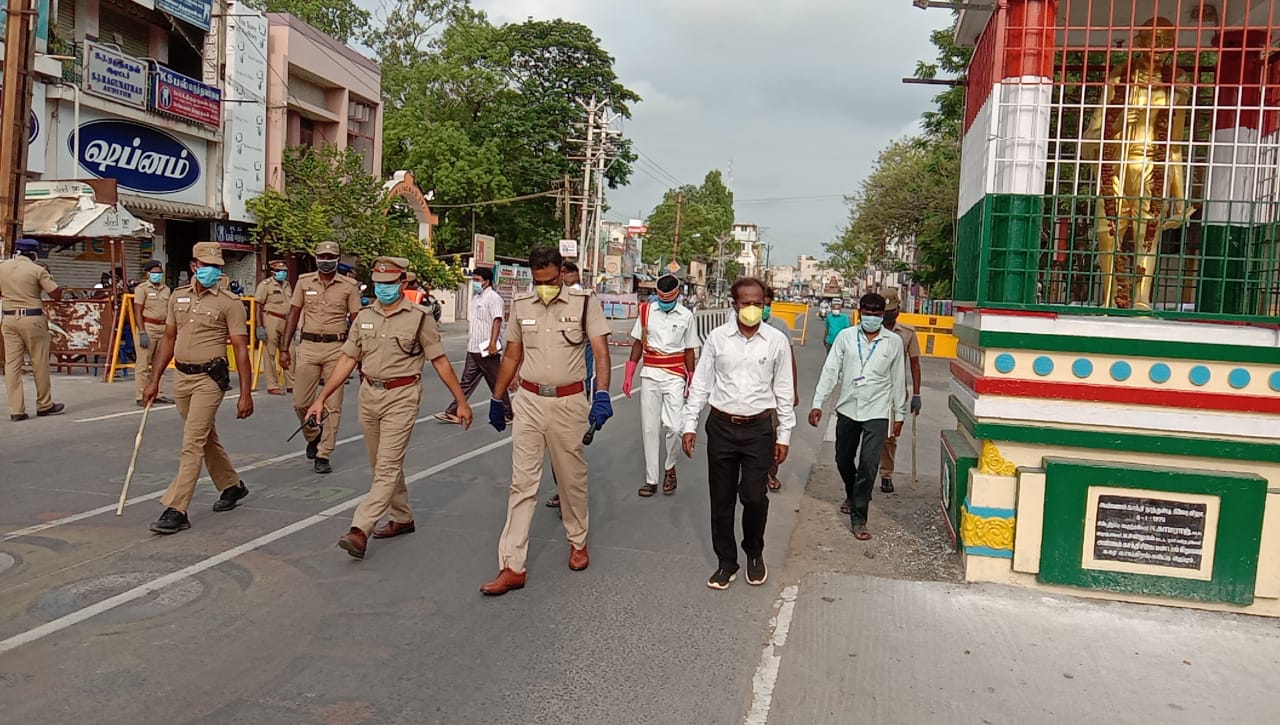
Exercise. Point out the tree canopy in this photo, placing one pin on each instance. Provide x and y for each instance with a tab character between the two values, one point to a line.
705	213
340	19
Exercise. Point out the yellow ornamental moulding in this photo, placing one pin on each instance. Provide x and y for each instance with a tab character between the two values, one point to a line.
991	532
992	462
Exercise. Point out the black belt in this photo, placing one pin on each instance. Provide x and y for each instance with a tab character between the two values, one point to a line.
742	419
190	368
25	313
313	337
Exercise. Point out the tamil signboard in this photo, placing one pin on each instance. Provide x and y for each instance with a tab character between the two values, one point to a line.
195	12
143	159
1150	532
483	250
177	95
112	74
244	129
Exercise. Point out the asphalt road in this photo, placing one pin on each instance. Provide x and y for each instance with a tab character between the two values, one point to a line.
254	615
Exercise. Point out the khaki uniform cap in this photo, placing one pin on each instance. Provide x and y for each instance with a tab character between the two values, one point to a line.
389	269
891	300
208	253
327	248
278	265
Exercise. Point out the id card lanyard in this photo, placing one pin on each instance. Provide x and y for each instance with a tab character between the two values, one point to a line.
862	361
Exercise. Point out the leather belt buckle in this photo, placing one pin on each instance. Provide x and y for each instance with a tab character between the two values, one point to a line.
548	391
740	419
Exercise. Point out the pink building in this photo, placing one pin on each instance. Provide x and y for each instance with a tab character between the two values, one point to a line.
319	91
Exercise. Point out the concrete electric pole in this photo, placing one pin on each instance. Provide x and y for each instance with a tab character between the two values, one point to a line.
19	55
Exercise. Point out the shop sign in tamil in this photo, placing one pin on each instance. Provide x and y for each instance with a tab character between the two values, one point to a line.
140	158
111	74
177	95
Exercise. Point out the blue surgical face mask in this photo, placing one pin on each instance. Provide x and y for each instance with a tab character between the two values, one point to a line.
872	323
282	275
155	277
208	276
477	287
386	292
666	306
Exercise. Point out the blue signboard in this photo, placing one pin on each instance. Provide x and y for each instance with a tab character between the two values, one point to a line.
196	12
138	157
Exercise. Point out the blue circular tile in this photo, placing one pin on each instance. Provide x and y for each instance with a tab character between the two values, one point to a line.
1005	363
1160	373
1082	368
1121	370
1239	378
1274	381
1042	365
1199	375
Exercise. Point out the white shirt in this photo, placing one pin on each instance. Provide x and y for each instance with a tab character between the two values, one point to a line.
485	308
744	376
669	332
872	375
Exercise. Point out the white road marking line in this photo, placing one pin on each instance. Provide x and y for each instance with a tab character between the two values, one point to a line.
37	528
766	676
155	585
154	408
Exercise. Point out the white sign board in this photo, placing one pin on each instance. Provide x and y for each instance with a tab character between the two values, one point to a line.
568	248
483	250
114	75
244	111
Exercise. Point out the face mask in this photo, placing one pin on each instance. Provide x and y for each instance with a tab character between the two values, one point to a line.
750	316
477	287
666	306
327	266
282	276
386	292
872	323
155	277
891	318
836	310
768	312
547	292
208	276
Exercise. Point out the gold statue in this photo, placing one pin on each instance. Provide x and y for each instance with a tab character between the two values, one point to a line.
1138	134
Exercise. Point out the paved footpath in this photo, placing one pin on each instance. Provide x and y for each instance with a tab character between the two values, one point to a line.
254	616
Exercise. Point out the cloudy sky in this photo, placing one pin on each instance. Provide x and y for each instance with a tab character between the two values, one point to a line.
799	94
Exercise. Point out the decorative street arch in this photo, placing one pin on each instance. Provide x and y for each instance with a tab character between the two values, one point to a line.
403	186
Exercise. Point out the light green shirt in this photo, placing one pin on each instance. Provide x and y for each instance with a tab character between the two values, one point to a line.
872	374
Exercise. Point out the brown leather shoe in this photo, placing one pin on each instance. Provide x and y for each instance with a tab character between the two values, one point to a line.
503	583
578	559
354	543
393	528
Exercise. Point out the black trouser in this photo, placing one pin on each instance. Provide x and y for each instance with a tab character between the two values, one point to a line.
475	369
858	469
738	461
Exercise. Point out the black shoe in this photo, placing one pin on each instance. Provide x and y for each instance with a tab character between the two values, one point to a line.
886	485
756	571
722	578
54	409
140	403
313	447
19	417
230	497
322	466
170	522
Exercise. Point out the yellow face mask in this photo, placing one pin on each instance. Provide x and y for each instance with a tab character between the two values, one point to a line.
751	315
547	292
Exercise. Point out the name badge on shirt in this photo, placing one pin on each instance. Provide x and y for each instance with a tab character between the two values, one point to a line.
528	322
859	381
184	299
312	292
366	325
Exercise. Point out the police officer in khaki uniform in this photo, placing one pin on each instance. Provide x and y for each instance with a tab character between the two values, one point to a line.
150	310
911	348
548	333
274	295
391	340
327	301
25	328
201	317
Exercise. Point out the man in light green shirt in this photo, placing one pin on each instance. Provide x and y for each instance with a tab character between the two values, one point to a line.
869	364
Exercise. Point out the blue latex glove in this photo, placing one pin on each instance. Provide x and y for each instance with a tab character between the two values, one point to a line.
601	409
262	334
915	404
497	415
144	342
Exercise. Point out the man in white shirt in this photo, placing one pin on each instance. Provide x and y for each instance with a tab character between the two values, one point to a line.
665	339
484	330
745	375
869	363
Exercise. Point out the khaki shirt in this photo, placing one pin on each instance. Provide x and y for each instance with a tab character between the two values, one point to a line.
274	296
154	299
383	340
205	320
910	344
555	348
21	281
325	307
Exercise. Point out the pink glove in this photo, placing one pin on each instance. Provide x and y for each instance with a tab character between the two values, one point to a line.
628	377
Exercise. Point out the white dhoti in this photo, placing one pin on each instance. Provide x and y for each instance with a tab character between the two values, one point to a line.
661	404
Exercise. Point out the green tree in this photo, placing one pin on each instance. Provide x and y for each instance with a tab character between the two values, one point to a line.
705	213
339	19
329	196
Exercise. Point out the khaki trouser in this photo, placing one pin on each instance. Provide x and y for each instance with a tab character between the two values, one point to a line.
886	457
543	425
146	356
272	346
29	335
198	398
315	362
387	418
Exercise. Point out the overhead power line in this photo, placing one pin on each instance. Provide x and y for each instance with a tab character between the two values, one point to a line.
492	202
